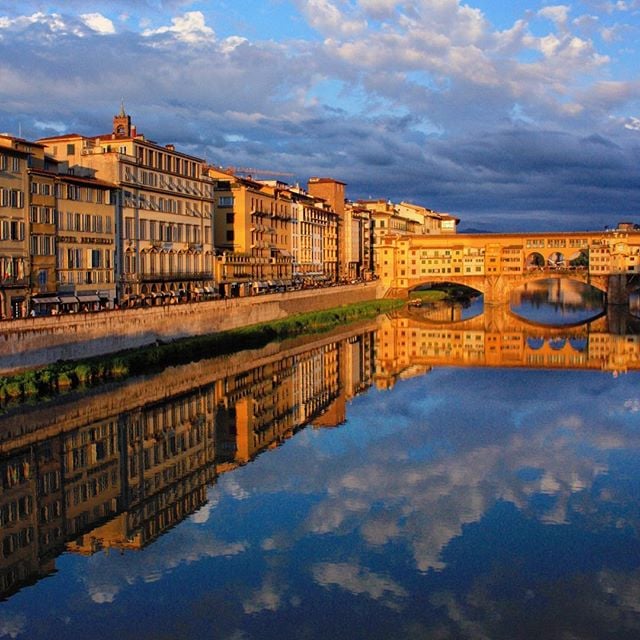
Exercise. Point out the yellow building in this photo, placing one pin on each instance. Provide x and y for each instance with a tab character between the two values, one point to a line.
336	230
252	234
614	252
42	231
86	240
14	246
402	219
164	238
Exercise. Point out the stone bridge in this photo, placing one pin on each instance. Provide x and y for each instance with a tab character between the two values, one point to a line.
498	264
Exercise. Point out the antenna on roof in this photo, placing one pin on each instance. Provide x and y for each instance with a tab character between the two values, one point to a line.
122	111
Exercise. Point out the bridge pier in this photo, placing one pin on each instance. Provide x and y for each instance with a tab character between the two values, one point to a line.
496	291
617	293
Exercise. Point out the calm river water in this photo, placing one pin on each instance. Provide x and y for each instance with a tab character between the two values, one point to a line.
410	478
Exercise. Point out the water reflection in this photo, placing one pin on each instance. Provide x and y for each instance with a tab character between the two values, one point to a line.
484	482
558	301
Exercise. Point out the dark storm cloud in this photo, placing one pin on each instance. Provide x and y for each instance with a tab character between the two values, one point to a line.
438	117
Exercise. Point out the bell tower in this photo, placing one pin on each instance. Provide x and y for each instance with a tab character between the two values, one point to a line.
122	124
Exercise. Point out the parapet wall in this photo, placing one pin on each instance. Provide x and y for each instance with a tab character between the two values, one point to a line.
33	342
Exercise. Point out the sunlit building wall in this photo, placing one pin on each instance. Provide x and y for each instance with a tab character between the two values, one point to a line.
164	221
14	238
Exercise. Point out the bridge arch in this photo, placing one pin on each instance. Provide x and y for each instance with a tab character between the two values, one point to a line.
448	279
535	259
556	259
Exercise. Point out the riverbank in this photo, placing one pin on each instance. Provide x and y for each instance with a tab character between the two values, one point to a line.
61	376
35	342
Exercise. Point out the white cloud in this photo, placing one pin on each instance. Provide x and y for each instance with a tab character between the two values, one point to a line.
328	19
558	14
230	44
98	23
190	28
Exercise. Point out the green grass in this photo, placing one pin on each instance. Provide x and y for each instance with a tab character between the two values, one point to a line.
57	378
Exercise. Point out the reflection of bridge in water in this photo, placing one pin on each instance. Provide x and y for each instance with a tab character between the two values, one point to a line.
410	344
117	467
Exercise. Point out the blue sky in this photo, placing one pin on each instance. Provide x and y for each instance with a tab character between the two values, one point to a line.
509	115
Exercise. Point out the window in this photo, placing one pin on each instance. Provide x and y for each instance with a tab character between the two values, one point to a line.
11	198
71	149
229	218
225	201
230	235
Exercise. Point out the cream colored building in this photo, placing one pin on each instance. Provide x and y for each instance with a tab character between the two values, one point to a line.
315	243
429	220
86	240
164	236
358	242
14	244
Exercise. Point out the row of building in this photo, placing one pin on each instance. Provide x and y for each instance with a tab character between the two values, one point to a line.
114	473
90	222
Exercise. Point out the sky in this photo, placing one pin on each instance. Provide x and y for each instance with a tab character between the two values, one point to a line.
510	115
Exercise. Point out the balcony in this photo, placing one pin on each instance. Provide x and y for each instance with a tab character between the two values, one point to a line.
190	276
13	281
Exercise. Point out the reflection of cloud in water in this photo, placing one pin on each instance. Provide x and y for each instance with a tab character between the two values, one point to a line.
632	405
359	581
230	486
201	516
622	588
11	624
106	574
427	504
268	598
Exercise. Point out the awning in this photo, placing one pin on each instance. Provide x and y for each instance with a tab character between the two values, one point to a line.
68	300
104	294
49	300
209	289
199	291
92	297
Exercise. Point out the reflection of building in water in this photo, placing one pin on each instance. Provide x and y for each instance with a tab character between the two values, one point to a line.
86	476
558	291
407	346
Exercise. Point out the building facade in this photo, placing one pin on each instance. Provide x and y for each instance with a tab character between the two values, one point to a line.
164	212
14	244
253	234
85	263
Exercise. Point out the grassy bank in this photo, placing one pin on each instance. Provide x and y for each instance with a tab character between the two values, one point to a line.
64	375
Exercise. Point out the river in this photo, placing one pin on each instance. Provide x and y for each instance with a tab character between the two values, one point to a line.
404	478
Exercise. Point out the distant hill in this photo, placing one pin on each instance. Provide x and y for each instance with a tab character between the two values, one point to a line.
474	230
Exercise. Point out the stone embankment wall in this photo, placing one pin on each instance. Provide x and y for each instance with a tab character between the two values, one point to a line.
34	342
